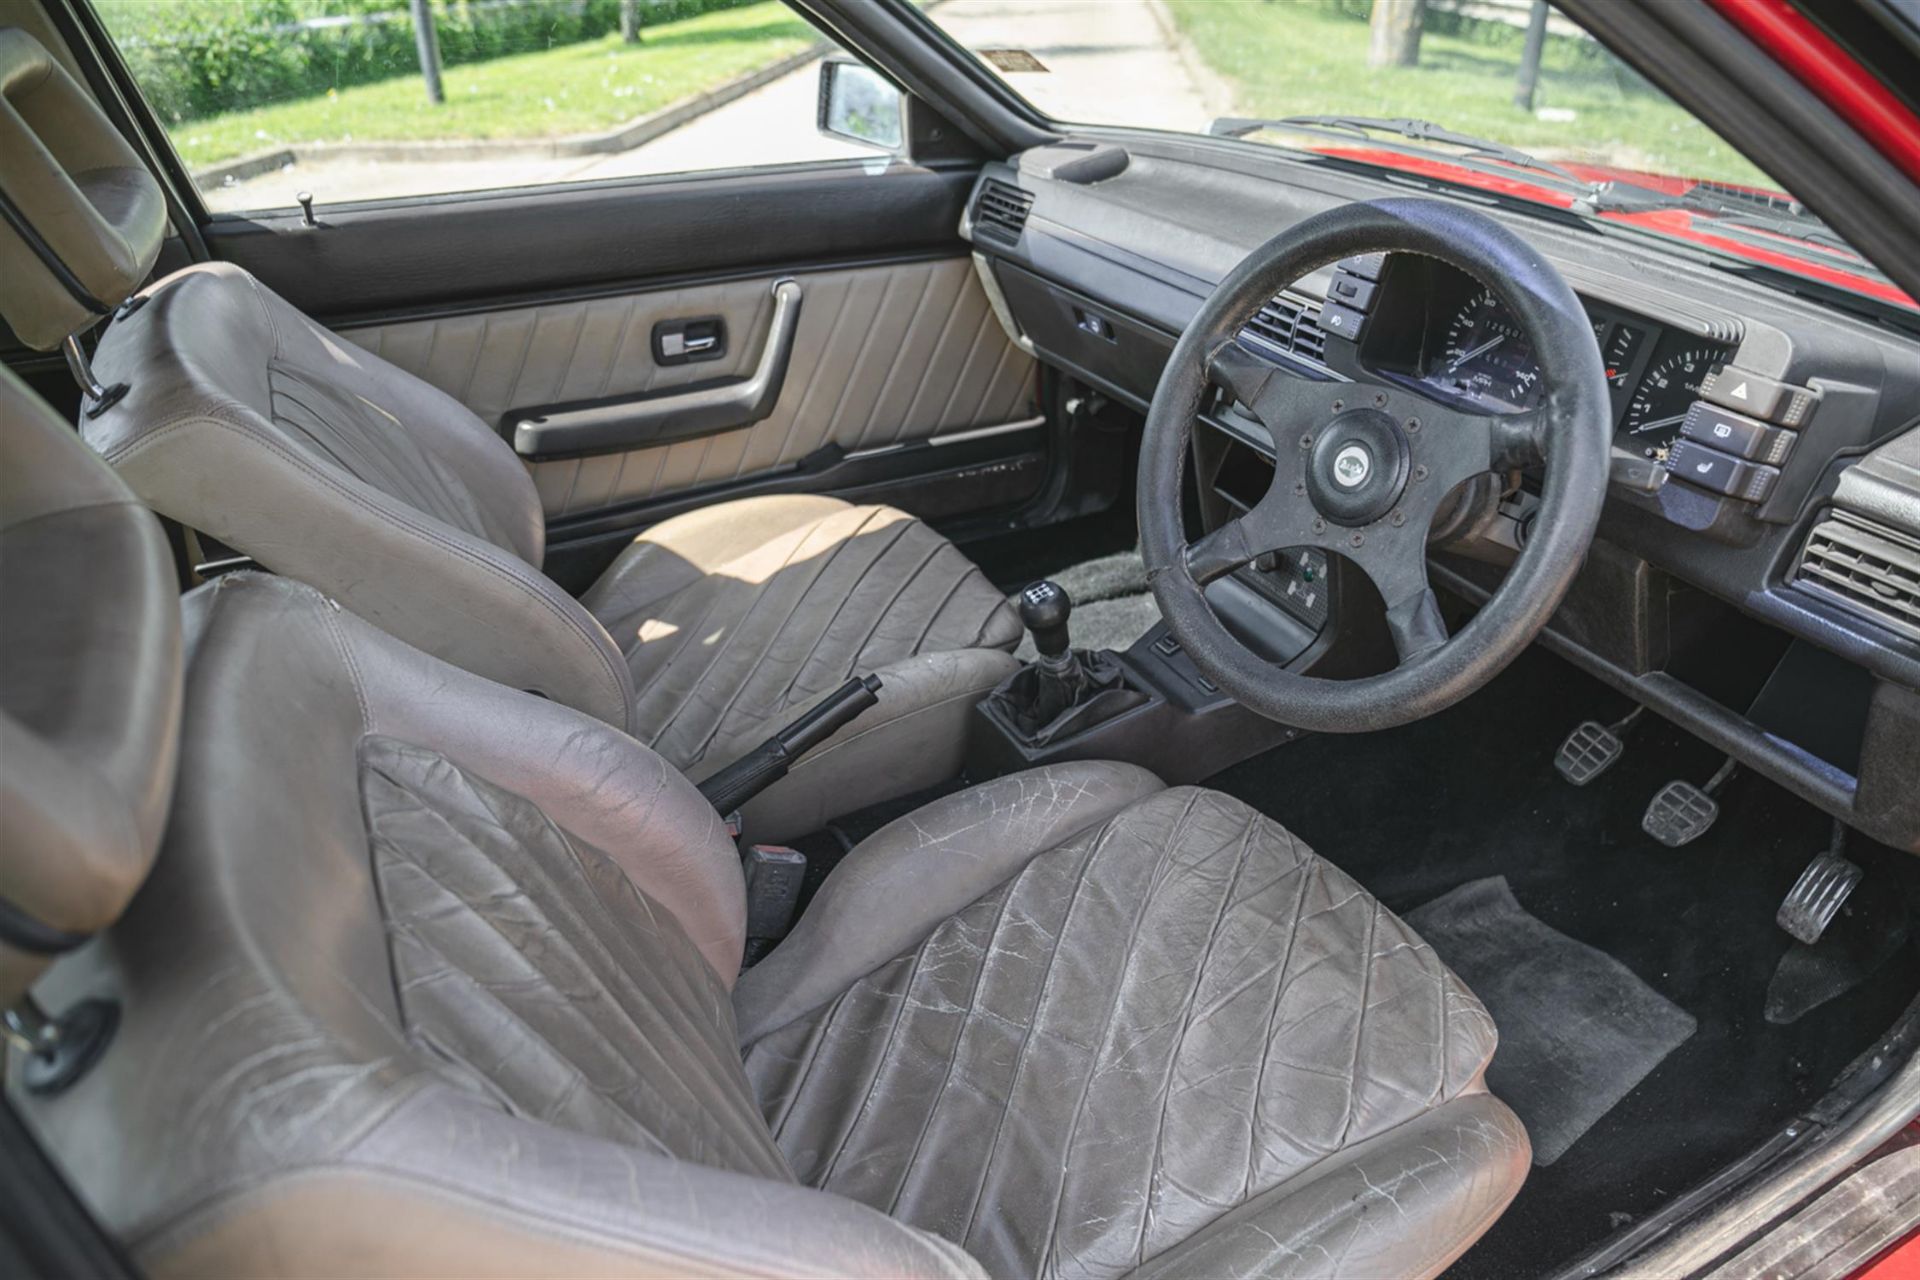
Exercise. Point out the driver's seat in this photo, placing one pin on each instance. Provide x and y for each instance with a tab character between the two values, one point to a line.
435	977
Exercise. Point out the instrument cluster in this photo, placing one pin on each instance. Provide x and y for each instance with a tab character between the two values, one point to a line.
1473	351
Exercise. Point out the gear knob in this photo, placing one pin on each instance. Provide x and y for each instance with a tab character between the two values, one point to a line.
1044	610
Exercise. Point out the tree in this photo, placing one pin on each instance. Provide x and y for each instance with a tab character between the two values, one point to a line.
1396	32
1530	57
630	21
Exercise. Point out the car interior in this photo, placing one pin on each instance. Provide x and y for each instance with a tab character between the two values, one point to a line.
1055	699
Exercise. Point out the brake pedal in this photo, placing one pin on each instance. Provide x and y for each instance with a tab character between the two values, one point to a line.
1681	812
1820	892
1593	748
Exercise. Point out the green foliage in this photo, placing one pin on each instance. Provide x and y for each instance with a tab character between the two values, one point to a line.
199	58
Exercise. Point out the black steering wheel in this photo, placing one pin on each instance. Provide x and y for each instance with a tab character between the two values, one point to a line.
1362	467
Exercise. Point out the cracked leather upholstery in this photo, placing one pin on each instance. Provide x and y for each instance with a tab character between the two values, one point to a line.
1172	1039
738	618
253	425
431	978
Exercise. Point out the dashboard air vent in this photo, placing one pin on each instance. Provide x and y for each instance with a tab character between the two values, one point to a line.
1000	211
1291	325
1866	568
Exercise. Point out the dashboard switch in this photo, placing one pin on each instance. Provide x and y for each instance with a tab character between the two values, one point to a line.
1344	321
1368	266
1762	397
1720	472
1740	436
1352	291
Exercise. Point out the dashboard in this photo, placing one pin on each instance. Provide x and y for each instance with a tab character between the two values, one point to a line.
1756	574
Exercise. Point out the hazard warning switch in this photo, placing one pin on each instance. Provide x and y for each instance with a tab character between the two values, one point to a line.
1759	396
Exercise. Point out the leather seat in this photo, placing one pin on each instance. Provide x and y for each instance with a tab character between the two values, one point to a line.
251	424
434	977
229	411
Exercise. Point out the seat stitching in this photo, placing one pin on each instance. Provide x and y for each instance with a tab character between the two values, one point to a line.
473	365
1106	1024
815	1040
568	947
739	628
1094	847
1360	1022
880	616
433	541
780	630
1306	869
1186	1022
953	1052
933	614
880	1067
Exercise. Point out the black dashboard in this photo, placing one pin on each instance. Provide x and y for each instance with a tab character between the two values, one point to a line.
1756	427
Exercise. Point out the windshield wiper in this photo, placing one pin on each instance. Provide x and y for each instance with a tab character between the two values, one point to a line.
1404	127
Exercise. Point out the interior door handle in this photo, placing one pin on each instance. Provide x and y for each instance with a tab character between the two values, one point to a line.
704	409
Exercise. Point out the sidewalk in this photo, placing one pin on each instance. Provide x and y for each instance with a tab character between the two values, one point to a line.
1107	60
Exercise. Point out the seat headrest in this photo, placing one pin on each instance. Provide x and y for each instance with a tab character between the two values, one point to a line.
90	679
81	219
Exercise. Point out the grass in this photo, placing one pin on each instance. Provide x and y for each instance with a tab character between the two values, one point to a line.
575	88
1292	58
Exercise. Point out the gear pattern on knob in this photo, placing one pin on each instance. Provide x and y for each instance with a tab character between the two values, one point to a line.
1044	609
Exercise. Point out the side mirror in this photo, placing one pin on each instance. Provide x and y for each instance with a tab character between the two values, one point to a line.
859	104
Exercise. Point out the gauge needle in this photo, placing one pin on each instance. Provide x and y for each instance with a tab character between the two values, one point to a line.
1645	427
1488	345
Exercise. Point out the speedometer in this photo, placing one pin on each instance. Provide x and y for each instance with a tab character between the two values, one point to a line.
1486	356
1667	390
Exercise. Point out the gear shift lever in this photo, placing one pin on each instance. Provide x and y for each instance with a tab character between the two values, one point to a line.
1064	691
1044	610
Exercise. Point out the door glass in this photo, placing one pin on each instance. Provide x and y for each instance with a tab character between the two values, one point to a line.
267	98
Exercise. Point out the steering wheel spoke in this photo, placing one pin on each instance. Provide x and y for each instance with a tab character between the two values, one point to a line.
1275	395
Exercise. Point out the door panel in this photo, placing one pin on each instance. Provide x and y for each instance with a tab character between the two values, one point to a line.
883	355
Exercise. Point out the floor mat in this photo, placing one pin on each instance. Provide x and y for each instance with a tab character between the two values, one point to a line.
1414	812
1577	1029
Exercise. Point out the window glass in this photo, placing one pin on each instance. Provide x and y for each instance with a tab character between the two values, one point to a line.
1535	107
266	98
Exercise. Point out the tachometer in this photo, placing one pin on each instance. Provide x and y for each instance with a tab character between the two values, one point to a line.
1667	390
1487	357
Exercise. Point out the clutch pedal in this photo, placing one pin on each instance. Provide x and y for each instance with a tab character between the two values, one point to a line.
1820	892
1682	812
1593	748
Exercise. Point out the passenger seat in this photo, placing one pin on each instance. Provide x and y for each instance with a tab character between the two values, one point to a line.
230	411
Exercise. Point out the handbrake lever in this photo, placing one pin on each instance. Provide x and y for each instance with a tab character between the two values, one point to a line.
767	763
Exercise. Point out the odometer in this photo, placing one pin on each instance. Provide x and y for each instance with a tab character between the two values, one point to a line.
1667	390
1486	356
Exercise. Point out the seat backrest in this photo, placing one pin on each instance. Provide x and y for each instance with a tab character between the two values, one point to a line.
84	218
250	423
89	689
431	977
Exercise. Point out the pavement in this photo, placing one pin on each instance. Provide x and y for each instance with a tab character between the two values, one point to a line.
1107	62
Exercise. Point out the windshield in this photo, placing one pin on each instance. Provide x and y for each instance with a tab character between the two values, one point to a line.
1503	95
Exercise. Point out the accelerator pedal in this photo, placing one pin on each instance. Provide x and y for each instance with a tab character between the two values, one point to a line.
1820	892
1593	748
1682	812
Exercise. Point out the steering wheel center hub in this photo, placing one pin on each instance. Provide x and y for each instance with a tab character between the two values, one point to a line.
1358	467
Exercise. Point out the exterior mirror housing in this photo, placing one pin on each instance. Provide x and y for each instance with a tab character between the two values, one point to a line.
860	105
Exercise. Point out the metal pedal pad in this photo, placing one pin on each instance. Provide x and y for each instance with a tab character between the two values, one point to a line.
1589	751
1817	896
1680	814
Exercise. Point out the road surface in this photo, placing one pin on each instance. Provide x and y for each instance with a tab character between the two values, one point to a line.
1107	61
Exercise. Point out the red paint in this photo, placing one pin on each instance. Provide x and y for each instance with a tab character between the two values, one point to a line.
1855	94
1681	224
1902	1262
